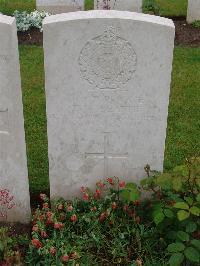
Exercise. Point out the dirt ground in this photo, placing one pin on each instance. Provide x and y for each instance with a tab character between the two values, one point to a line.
186	35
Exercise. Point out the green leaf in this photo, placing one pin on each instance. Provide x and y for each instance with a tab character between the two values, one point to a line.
191	227
195	210
196	243
176	247
189	200
177	184
181	205
130	195
1	246
168	213
171	235
147	182
183	236
181	170
158	218
131	186
182	215
164	181
192	254
198	197
198	182
176	259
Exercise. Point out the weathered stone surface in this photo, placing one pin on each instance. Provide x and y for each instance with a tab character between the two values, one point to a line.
59	6
108	79
14	189
123	5
193	12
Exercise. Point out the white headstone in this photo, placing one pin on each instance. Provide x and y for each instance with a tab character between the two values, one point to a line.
193	12
59	6
14	188
123	5
108	79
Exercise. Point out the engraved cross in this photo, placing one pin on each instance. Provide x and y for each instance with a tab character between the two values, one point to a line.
105	155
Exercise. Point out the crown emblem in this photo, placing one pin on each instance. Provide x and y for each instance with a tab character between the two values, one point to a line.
108	61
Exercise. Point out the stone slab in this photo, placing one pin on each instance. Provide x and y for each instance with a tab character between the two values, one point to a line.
108	77
123	5
60	6
193	12
14	188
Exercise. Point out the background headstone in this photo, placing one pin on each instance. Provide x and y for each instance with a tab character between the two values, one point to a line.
108	77
59	6
14	188
193	11
123	5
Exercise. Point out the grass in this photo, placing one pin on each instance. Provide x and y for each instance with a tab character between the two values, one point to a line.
32	74
166	7
183	134
7	7
172	8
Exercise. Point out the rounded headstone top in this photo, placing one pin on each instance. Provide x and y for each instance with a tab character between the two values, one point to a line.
108	14
6	19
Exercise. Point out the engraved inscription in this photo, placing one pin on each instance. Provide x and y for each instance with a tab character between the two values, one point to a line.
105	155
4	121
108	61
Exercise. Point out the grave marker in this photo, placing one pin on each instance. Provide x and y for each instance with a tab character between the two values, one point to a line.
193	11
14	189
123	5
108	77
59	6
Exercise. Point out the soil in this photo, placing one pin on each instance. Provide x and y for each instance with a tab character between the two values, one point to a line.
186	35
31	37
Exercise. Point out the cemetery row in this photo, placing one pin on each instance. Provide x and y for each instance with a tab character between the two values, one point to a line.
107	95
62	6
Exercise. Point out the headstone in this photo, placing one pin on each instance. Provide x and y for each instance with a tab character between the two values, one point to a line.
123	5
193	12
108	79
14	188
59	6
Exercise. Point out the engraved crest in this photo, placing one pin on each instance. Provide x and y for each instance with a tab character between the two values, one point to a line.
108	61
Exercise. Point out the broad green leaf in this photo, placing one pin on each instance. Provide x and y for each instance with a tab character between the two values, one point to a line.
198	197
182	215
183	236
181	170
171	235
168	213
176	259
1	246
189	200
177	184
158	218
191	227
195	210
134	195
181	205
191	254
131	186
198	182
130	195
147	181
196	243
164	181
176	247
